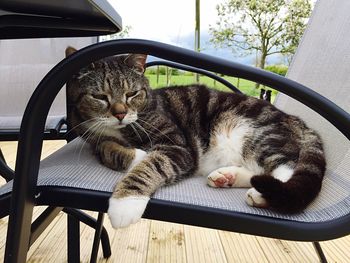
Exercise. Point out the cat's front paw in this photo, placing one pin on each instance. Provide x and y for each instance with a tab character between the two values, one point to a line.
125	211
139	156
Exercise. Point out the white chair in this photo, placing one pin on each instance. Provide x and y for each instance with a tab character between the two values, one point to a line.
23	64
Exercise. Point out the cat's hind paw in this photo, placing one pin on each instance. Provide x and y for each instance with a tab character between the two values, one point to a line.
125	211
230	176
223	177
254	198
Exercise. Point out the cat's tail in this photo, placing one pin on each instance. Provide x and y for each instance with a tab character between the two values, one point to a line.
303	186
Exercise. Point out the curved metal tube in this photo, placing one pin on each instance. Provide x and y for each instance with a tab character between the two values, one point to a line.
195	70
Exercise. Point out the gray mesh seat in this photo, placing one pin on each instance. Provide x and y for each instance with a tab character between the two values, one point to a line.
75	166
73	176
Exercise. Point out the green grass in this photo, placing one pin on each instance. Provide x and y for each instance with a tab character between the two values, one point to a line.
245	86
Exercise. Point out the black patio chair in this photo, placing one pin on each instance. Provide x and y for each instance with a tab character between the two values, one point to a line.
85	184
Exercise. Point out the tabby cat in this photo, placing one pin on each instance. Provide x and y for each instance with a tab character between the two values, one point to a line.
162	136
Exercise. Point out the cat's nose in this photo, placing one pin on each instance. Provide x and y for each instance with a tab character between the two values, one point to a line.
120	116
119	110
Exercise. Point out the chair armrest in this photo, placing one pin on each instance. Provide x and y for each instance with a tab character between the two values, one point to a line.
58	128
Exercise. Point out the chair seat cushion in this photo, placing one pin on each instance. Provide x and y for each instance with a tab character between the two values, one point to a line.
75	166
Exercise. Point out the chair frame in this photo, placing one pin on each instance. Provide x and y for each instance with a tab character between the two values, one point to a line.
26	194
74	217
56	133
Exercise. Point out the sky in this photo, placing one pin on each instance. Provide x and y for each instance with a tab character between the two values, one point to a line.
164	20
173	22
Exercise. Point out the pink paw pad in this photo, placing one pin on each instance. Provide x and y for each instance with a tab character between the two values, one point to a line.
223	180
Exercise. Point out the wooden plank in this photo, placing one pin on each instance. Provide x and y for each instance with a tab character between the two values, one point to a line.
301	251
2	181
51	146
203	245
129	244
166	243
287	251
3	229
52	246
275	250
337	250
241	248
9	150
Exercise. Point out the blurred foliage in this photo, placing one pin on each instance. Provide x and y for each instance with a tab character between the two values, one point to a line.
264	27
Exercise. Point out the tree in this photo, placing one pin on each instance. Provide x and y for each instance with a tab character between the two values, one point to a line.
122	34
197	31
264	26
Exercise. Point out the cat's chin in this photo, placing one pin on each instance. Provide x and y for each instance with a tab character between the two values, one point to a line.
120	126
123	124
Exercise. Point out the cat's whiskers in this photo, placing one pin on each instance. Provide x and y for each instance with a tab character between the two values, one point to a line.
82	123
152	126
144	130
91	130
136	132
102	131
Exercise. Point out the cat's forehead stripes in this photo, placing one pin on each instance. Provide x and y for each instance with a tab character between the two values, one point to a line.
125	84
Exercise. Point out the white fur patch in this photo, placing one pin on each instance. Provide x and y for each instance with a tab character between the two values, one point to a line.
139	156
254	198
283	173
227	151
125	211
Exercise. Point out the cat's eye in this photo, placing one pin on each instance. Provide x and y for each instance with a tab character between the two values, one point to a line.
100	97
131	93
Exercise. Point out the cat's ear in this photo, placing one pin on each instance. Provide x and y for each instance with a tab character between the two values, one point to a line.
70	50
137	62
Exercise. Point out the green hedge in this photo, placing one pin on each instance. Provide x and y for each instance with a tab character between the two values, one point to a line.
278	69
162	71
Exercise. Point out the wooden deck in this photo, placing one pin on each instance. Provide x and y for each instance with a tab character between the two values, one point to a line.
154	241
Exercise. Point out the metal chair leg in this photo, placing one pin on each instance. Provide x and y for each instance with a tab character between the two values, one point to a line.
90	221
97	238
319	252
106	246
73	239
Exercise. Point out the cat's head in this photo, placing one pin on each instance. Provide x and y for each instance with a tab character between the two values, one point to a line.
111	92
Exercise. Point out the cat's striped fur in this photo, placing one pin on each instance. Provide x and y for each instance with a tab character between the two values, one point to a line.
164	135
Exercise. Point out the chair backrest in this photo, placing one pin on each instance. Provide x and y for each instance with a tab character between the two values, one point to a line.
322	63
23	63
